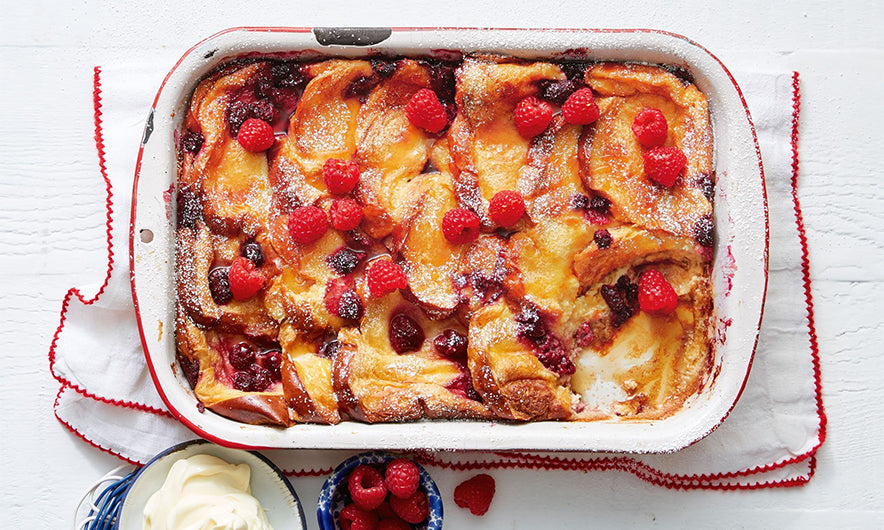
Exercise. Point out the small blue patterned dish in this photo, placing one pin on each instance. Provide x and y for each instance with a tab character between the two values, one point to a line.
334	495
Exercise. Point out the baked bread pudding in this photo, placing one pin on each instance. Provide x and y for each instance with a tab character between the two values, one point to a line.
391	240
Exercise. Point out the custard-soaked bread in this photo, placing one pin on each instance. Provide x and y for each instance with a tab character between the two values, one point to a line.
445	301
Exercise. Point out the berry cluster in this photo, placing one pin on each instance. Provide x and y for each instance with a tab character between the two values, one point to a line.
385	499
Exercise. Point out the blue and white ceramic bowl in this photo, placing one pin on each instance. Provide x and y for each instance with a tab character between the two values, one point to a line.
334	495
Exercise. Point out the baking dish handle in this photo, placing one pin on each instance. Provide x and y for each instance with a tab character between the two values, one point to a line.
351	36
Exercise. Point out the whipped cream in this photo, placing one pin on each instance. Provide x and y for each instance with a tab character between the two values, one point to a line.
204	492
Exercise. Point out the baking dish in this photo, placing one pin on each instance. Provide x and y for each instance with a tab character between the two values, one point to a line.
739	271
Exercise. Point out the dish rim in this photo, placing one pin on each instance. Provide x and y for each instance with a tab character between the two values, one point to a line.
695	436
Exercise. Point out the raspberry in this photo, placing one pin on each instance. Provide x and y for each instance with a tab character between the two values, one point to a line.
475	494
413	509
340	176
664	164
506	208
451	344
245	279
584	334
366	487
393	524
255	135
650	127
307	224
655	294
402	478
532	116
580	108
354	518
385	512
346	214
384	277
405	334
603	238
342	301
426	112
460	226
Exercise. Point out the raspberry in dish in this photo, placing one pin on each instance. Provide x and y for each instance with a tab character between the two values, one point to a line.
400	240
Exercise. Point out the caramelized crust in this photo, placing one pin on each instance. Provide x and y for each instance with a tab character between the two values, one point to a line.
541	337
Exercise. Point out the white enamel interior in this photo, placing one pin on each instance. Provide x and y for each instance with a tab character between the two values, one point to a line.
740	215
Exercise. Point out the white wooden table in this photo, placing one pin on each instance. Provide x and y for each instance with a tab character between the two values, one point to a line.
52	230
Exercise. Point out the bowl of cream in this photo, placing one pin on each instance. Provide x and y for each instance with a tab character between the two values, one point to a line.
197	485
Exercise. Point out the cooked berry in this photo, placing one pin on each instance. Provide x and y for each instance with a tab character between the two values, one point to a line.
460	226
599	204
406	335
191	369
462	385
580	202
552	355
663	165
704	232
441	78
451	344
272	361
402	478
361	86
530	322
357	239
350	305
655	293
307	224
192	142
584	335
558	91
707	185
345	214
340	176
265	111
287	76
574	70
622	300
383	277
603	238
255	135
244	279
237	113
243	381
532	116
485	288
190	210
286	200
253	252
261	378
384	67
506	208
580	108
329	349
650	127
219	285
344	261
425	111
242	355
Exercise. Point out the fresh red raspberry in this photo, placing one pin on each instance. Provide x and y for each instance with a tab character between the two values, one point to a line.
255	135
245	279
340	176
393	524
413	509
655	294
367	487
580	108
384	277
460	226
426	112
650	127
385	512
506	208
475	494
532	115
664	164
354	518
346	214
307	224
402	478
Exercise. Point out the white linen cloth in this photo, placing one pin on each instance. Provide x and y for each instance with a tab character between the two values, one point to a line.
107	397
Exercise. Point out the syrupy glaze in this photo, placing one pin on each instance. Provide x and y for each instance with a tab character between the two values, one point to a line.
536	321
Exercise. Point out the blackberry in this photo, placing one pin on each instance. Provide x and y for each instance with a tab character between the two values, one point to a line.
261	378
329	349
706	183
579	202
253	252
530	323
241	356
704	231
219	285
243	381
192	141
558	91
599	204
603	238
189	208
350	305
344	261
383	67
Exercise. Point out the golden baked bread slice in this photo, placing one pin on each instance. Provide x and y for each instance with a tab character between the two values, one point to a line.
611	156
